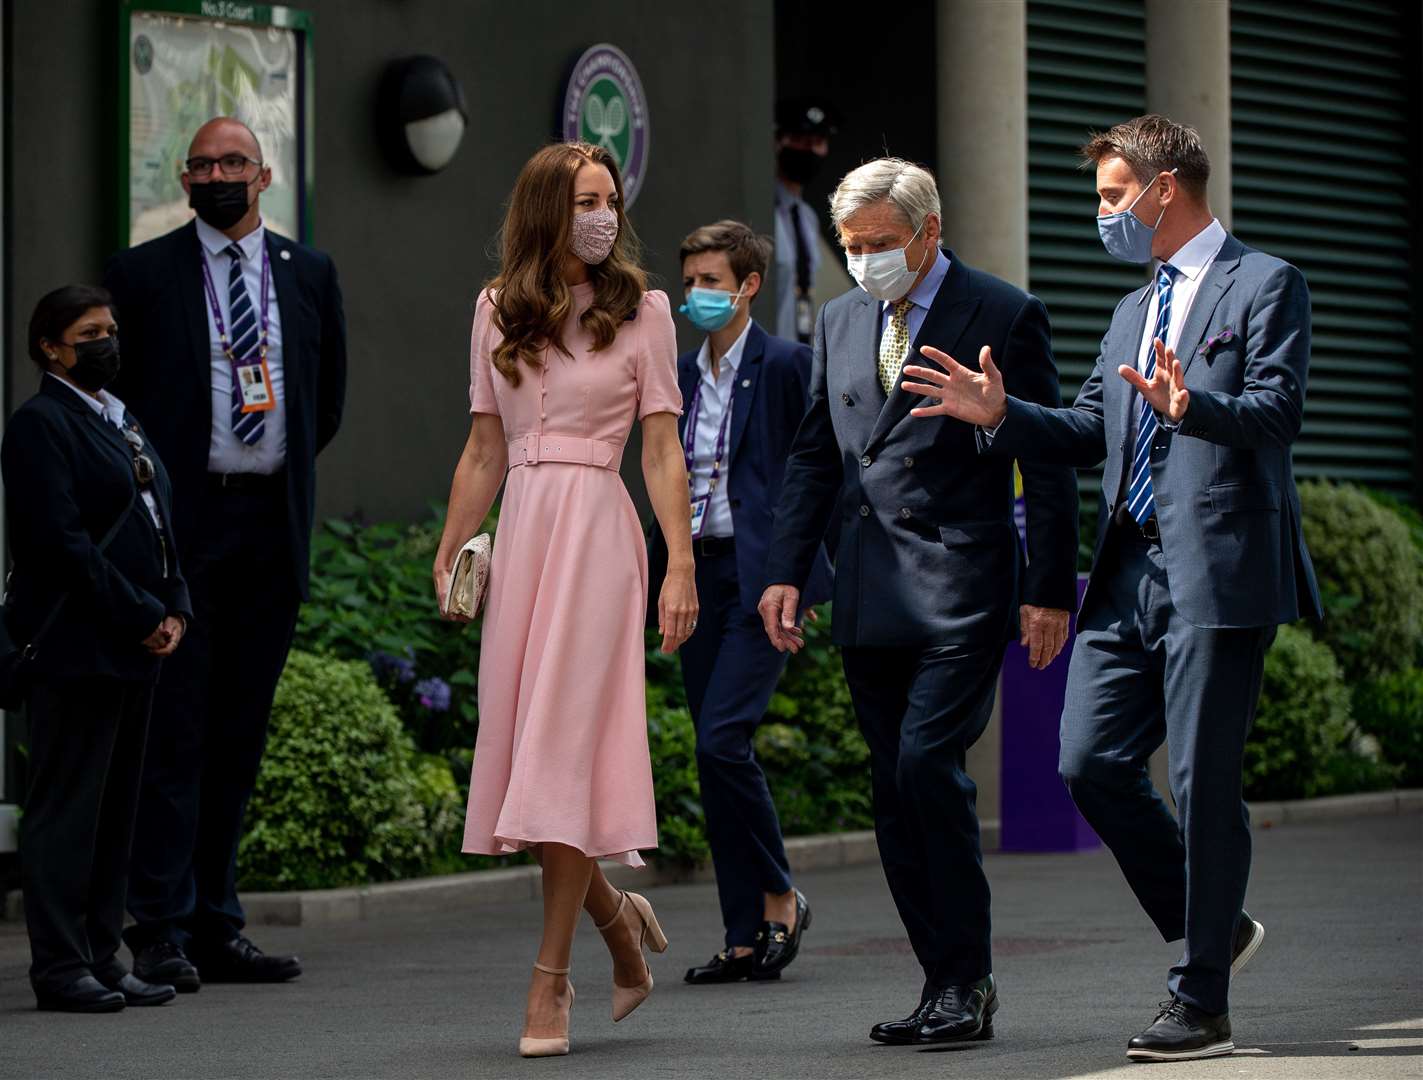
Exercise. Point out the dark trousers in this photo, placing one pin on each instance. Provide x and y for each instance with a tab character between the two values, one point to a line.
730	670
920	710
1142	674
86	759
210	722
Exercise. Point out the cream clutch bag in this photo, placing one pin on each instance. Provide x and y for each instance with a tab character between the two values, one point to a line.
469	580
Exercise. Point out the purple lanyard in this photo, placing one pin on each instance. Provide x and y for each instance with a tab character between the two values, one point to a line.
689	441
211	291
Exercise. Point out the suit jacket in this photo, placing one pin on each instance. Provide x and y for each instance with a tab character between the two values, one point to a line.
68	478
928	552
1224	487
166	372
772	391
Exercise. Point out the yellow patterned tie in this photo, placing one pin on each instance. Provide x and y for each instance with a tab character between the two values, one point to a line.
893	345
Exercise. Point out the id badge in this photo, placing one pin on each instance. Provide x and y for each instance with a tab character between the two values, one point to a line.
699	514
256	383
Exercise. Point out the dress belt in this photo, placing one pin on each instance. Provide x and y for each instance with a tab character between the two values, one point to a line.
532	449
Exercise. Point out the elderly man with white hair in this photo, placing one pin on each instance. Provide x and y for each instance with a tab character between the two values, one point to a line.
931	579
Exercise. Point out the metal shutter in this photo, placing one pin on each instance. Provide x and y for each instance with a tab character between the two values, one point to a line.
1086	70
1322	178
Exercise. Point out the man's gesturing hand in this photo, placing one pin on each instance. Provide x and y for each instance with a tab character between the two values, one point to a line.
960	392
1166	390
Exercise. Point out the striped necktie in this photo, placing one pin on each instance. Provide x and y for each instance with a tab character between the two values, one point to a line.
1141	503
894	344
244	333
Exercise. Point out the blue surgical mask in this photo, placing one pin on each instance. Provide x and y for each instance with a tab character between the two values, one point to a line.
710	309
1126	236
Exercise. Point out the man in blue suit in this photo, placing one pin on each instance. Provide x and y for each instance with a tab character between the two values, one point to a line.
744	393
930	579
1196	398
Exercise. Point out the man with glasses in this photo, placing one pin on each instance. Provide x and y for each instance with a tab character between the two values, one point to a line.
236	349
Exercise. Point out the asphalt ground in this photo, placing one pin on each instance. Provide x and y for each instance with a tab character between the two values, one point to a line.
1336	991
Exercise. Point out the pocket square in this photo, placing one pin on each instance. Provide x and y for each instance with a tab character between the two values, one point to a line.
1224	337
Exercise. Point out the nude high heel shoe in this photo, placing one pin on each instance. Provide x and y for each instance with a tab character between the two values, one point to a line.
555	1047
628	998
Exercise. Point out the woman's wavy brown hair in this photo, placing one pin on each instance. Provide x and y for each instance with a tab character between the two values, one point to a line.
530	298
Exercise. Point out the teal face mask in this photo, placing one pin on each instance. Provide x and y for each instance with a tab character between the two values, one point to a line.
710	309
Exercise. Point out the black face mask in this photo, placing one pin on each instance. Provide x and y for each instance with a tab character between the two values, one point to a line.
798	166
221	203
96	363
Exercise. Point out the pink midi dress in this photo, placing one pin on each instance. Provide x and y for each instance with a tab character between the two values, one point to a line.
561	754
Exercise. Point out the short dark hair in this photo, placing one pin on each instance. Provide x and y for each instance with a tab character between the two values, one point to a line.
745	250
1151	145
58	311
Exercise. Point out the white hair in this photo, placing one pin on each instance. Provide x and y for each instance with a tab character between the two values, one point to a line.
909	188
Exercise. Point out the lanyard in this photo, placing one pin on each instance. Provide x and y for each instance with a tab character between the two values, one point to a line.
211	291
689	441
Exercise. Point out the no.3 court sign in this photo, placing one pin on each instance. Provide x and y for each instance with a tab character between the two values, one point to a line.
604	104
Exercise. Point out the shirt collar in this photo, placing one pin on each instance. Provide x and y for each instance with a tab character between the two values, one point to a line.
922	295
215	242
1198	252
733	354
107	405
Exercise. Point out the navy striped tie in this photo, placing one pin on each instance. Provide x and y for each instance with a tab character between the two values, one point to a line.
1141	503
244	333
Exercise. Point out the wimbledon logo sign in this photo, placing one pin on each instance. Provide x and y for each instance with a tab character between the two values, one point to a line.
605	105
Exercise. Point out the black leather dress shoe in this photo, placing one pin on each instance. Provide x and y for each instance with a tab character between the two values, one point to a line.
240	961
85	994
726	968
165	964
960	1014
1181	1032
901	1032
777	944
135	990
1248	937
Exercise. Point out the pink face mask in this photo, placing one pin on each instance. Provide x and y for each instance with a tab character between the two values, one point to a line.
593	235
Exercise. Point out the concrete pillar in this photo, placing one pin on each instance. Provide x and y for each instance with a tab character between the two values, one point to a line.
983	133
1188	79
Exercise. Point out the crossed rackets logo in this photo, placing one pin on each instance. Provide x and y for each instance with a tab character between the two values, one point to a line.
605	120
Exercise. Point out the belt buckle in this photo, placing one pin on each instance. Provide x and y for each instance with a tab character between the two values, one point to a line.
1151	529
531	449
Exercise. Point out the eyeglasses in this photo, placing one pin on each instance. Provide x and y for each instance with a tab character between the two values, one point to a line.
143	470
229	164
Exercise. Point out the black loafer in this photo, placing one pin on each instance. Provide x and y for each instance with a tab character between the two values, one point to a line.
165	964
85	994
1249	935
240	961
1181	1032
136	991
960	1014
901	1032
777	944
725	968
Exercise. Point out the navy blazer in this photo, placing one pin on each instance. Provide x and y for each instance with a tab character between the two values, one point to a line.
772	391
928	552
1223	483
68	479
166	372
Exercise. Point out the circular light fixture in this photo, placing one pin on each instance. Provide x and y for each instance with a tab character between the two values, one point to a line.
420	115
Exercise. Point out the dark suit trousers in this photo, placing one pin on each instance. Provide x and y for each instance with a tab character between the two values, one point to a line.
920	710
1140	674
86	758
210	721
729	670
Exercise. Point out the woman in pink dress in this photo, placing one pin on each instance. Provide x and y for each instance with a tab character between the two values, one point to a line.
568	349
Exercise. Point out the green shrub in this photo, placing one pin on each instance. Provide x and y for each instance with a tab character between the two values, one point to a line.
343	797
1370	576
1391	709
1304	742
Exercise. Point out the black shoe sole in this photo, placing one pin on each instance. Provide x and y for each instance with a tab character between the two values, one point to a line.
773	977
149	999
54	1005
189	983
